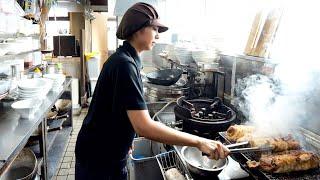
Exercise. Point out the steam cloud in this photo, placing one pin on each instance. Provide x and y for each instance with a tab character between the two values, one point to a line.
279	104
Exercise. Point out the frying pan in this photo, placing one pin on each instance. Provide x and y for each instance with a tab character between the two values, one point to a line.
165	77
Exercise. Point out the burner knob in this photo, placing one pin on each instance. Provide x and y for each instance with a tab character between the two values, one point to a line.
201	114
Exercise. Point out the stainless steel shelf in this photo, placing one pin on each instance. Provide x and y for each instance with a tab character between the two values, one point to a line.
15	132
7	57
18	35
56	151
51	136
58	141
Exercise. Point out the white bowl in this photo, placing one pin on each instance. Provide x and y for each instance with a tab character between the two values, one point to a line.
27	108
208	56
54	76
58	79
30	91
34	84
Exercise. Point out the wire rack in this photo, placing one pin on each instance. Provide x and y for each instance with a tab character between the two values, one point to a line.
170	160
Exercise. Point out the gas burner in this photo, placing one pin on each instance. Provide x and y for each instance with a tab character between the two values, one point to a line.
203	111
204	117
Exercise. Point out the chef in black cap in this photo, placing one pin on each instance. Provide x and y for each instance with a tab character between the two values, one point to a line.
118	110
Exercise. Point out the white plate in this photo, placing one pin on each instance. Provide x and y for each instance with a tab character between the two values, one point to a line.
30	90
29	95
54	76
34	84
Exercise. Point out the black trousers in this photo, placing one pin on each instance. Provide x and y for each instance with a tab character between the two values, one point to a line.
92	171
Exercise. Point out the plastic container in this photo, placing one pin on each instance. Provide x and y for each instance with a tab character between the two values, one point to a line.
142	162
93	64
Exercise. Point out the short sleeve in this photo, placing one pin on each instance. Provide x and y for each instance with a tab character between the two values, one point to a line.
129	87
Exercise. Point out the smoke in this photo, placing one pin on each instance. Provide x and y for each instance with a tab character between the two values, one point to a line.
278	105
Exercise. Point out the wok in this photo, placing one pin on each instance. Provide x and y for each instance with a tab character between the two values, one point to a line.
165	77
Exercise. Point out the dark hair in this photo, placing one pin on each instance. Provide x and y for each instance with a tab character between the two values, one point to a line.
129	38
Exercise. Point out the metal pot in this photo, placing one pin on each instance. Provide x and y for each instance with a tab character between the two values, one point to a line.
24	167
201	165
165	77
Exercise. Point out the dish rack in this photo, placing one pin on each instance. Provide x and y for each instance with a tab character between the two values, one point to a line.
170	160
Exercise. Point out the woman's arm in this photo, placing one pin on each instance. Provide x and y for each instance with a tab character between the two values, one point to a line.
146	127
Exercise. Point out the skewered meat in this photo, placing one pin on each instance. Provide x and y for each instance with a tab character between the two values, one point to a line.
287	161
277	144
253	164
241	133
236	132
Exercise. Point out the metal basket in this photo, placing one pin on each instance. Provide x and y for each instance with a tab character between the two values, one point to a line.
170	160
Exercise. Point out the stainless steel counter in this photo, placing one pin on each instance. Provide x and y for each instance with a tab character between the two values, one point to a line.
15	131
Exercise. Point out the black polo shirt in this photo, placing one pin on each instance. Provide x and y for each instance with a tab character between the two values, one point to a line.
106	133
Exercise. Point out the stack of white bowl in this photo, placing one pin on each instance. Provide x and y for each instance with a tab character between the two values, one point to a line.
204	56
34	88
27	108
57	79
206	59
183	55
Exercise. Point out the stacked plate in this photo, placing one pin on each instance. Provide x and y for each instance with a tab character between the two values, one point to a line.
205	56
4	88
34	88
184	55
57	79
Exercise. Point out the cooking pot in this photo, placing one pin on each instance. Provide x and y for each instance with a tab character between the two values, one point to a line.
165	77
201	165
24	167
